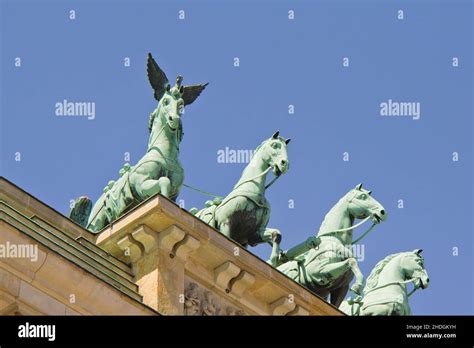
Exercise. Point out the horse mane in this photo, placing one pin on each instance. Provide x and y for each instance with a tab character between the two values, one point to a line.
260	146
333	207
151	119
373	278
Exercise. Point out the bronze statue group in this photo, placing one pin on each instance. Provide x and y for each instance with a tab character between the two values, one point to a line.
324	263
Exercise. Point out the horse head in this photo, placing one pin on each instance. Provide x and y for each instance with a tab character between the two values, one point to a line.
413	267
171	100
395	270
361	205
171	105
274	153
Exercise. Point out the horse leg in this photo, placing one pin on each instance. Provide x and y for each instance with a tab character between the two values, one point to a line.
96	225
272	236
359	283
224	227
150	187
338	295
275	255
337	269
165	186
98	222
380	309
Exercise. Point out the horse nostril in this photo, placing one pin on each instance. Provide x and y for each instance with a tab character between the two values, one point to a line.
427	280
382	212
283	162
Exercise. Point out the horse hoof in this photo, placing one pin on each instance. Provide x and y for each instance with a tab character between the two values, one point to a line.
276	237
356	289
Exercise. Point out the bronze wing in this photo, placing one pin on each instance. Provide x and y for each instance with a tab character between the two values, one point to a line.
190	93
157	77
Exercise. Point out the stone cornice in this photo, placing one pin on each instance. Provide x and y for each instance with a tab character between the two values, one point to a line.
209	258
159	247
67	264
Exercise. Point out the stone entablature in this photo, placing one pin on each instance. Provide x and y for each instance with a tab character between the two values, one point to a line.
158	258
54	285
168	248
68	275
199	300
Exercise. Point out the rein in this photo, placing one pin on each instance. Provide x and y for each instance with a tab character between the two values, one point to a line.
359	300
157	135
235	187
271	182
395	283
203	192
352	228
162	128
254	178
364	234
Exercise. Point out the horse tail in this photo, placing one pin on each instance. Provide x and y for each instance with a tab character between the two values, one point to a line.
81	211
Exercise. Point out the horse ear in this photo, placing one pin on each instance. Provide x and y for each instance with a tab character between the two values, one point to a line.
359	187
369	192
275	136
418	251
287	141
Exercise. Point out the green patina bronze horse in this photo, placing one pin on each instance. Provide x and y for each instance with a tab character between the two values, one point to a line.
325	264
159	170
244	213
386	290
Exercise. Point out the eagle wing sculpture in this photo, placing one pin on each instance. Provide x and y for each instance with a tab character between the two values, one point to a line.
158	80
190	93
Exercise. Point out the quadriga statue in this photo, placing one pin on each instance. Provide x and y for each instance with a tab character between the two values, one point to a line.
244	213
386	290
325	263
159	170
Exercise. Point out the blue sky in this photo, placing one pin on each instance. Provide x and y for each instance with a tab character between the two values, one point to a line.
282	62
